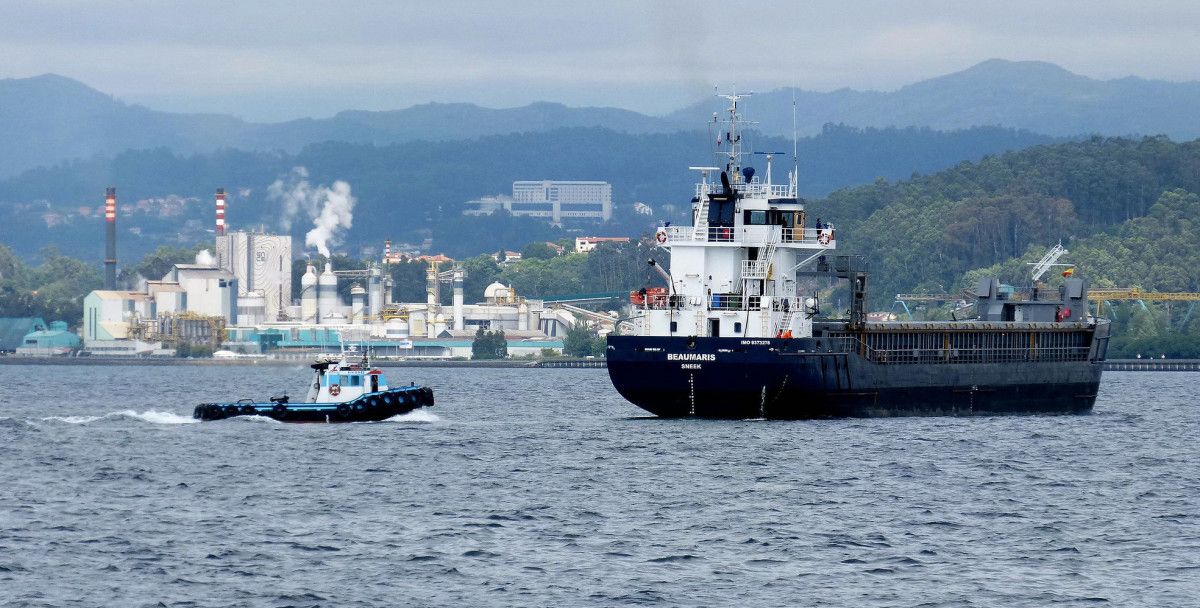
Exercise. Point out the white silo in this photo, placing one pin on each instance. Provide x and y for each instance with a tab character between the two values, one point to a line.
357	297
375	292
459	274
522	316
327	296
417	322
535	315
397	329
308	295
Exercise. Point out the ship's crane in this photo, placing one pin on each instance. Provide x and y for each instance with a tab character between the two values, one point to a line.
1048	261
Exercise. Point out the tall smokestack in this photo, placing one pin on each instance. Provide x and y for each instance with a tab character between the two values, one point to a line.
387	251
220	211
110	238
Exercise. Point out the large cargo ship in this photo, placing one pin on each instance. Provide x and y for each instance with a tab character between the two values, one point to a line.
732	336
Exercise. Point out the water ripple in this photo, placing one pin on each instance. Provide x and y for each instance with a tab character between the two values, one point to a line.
543	487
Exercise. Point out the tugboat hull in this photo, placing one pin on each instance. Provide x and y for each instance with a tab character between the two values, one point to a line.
792	379
371	407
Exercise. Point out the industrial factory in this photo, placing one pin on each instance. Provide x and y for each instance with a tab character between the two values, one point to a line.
241	300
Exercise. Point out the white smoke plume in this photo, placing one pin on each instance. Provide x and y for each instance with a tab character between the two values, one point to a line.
330	208
205	258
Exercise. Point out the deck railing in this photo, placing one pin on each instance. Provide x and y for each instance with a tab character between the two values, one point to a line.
754	236
753	189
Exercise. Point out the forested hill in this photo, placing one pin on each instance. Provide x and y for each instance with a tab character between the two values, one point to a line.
1034	95
924	234
405	190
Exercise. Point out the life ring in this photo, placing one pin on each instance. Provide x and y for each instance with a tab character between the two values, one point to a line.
335	390
661	237
824	238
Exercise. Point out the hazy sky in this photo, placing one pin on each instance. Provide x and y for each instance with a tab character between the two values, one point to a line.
273	60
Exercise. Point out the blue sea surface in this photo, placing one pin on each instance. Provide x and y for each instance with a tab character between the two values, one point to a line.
528	487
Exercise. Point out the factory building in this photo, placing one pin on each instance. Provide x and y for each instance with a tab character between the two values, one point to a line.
262	265
243	298
207	290
110	320
49	341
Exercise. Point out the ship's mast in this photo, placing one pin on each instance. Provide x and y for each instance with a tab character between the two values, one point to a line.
732	138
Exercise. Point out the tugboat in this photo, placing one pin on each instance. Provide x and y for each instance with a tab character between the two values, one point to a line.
731	335
345	389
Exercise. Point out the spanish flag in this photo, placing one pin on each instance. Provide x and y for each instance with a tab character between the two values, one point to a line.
1068	272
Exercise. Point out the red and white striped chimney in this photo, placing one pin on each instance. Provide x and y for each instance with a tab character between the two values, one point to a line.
387	251
220	211
110	238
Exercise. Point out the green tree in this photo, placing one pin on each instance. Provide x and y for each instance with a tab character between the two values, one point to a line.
489	345
579	341
538	251
158	263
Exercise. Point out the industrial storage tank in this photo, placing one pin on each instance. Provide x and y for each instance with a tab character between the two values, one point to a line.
375	292
397	329
357	296
308	295
327	296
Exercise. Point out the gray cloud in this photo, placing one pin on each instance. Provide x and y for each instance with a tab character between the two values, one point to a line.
274	59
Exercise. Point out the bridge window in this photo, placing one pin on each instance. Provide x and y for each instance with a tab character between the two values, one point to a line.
355	380
755	218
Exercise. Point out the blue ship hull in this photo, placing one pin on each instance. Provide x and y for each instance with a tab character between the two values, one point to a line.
796	379
371	407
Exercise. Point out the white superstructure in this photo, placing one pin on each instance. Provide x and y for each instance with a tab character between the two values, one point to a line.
733	271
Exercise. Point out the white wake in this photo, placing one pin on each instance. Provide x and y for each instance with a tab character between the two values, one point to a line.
151	416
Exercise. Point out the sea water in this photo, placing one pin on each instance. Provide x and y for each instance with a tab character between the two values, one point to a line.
540	487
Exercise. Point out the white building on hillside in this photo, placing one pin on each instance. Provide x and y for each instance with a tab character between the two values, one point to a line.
561	200
552	200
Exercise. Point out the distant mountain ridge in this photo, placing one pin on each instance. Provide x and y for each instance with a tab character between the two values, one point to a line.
1031	95
49	119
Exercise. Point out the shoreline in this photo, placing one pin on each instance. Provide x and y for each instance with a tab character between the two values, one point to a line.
1111	365
162	362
